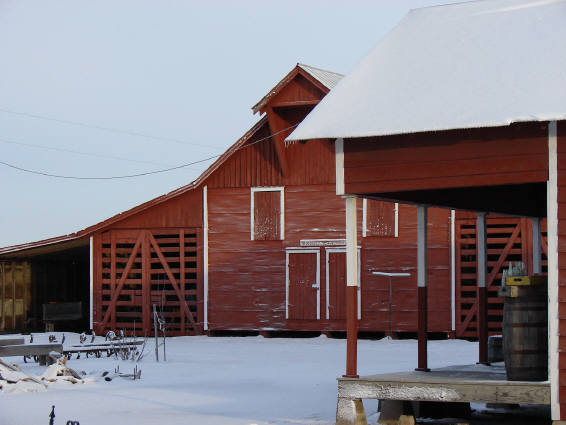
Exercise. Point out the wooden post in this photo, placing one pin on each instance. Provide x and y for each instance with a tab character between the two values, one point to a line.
112	279
155	334
351	289
537	268
91	286
481	259
205	256
146	280
182	316
422	221
553	274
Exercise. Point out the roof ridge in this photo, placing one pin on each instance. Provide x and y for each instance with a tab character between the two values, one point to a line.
303	65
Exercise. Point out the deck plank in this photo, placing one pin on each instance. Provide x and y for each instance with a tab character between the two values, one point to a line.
469	383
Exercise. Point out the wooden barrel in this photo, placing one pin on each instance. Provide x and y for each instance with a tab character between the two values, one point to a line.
525	334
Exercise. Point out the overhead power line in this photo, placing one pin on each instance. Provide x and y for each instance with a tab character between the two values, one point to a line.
56	149
41	173
147	173
103	128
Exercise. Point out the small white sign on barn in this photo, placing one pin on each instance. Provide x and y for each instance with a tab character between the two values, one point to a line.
323	242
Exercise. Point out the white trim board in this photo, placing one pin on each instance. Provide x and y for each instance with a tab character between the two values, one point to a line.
552	239
205	255
453	266
302	251
328	251
91	284
339	162
282	207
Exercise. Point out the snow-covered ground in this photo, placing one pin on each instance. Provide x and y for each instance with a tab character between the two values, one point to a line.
220	381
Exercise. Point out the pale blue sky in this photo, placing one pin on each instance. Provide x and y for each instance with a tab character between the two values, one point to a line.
182	70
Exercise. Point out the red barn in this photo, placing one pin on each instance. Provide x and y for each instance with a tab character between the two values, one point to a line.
256	243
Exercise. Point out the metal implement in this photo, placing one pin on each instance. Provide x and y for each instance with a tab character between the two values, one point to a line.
52	416
391	276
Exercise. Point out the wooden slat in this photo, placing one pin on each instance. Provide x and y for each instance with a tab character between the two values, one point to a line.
122	281
173	281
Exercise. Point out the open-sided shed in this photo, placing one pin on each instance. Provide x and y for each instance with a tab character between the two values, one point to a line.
460	106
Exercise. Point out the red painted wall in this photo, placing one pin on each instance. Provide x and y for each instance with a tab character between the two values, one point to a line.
458	158
182	211
247	278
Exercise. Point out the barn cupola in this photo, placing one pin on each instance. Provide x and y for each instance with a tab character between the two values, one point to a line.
290	101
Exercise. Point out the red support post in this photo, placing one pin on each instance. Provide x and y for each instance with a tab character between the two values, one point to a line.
352	332
422	283
351	289
482	325
423	327
481	258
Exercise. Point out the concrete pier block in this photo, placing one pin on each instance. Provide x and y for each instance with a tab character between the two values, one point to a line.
350	412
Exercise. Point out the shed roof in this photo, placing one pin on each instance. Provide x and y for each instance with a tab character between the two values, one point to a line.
476	64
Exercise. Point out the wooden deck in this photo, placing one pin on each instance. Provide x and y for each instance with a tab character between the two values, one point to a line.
470	383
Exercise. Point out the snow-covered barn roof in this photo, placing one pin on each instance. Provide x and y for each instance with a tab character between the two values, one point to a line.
476	64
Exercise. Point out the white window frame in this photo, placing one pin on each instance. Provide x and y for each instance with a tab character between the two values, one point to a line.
297	250
282	207
364	219
328	251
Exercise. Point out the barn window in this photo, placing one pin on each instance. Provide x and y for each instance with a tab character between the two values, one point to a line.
267	214
380	219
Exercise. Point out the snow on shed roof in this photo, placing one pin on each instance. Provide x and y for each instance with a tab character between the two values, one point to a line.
476	64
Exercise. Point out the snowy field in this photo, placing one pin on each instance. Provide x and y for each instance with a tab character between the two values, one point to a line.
220	381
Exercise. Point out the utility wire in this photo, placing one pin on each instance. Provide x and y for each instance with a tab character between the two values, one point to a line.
103	128
53	148
147	173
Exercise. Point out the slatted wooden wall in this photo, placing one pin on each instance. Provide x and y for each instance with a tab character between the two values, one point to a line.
508	239
141	268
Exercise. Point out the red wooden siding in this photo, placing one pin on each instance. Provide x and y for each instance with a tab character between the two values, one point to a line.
310	163
267	215
562	264
247	278
302	286
298	90
399	254
508	239
135	269
336	285
380	218
255	164
315	212
182	211
480	157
